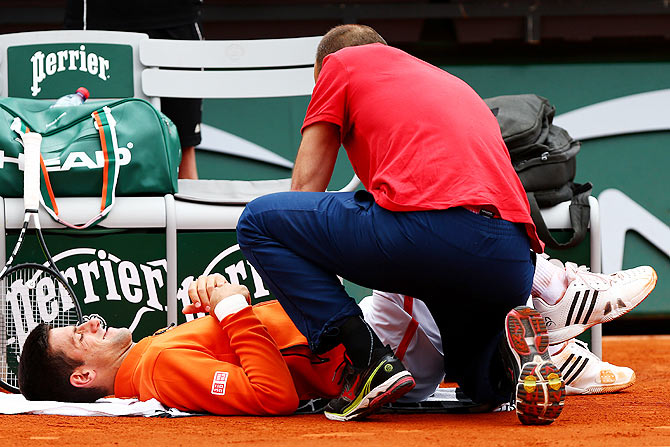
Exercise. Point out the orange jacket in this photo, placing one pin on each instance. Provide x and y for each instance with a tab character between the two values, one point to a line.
254	362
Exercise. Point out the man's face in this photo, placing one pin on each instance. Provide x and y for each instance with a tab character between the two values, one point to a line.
92	345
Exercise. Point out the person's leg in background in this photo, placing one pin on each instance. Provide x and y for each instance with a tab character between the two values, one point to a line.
188	167
185	113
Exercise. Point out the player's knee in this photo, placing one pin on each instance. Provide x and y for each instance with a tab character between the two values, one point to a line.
247	225
255	222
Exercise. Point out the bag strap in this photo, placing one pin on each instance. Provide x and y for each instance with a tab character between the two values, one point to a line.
106	125
580	215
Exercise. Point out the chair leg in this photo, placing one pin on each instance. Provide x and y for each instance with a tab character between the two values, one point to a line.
596	267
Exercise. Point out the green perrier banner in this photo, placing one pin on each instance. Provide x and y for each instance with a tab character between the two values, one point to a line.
48	71
121	275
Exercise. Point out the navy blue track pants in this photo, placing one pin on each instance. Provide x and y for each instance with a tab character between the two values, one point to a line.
469	269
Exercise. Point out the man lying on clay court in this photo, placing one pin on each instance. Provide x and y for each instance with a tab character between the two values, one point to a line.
238	360
242	359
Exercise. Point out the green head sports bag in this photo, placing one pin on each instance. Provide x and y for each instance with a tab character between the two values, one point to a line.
98	149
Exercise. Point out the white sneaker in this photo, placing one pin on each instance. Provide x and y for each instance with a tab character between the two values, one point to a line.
593	298
584	373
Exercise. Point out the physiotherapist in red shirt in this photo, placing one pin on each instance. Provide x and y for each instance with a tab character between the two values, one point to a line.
443	218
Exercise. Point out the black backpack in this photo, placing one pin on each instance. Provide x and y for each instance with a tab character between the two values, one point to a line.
543	156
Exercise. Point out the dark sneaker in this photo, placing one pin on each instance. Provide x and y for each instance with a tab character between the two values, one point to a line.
540	390
365	391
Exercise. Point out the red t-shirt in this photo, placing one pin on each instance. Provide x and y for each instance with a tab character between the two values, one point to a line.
417	137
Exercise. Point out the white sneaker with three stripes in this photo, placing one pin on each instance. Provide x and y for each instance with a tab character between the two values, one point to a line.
594	298
584	373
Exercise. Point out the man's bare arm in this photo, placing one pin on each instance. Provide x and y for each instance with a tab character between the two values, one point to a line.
316	157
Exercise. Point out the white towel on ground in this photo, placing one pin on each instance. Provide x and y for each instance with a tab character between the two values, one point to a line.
110	406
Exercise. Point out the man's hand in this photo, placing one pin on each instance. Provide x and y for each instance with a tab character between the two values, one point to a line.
207	291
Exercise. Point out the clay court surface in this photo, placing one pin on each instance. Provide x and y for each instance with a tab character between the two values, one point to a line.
639	417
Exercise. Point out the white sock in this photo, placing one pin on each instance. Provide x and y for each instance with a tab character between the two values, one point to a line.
550	281
555	349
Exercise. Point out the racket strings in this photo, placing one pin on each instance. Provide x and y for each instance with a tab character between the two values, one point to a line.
29	296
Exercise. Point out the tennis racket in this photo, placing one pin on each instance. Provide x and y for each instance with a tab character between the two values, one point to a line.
30	293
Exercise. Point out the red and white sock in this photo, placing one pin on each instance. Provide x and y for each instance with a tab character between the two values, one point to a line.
550	281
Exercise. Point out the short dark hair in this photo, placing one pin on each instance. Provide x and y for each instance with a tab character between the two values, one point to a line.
343	36
44	374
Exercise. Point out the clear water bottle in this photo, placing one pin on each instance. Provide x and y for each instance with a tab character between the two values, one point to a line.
75	99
